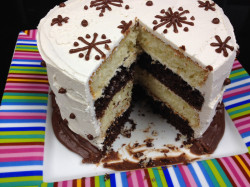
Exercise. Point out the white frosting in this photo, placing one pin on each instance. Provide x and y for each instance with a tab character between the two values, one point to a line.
73	73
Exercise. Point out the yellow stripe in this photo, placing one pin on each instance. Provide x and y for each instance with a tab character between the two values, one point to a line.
44	184
216	173
27	80
237	74
28	72
152	177
78	182
238	107
107	183
21	179
243	165
97	182
31	68
25	97
21	132
162	176
21	140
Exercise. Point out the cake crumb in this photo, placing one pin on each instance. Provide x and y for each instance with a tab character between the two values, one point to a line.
154	133
106	177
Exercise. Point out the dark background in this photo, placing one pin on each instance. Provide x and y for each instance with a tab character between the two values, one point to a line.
25	14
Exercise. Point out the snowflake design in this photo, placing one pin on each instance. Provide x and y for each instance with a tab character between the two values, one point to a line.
170	18
105	4
222	46
207	5
59	20
124	26
89	46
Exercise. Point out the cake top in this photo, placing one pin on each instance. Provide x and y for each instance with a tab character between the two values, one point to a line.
78	35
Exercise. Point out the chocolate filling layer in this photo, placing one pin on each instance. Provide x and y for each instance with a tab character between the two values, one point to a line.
171	80
115	85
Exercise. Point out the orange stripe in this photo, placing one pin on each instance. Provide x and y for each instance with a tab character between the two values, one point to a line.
26	80
241	168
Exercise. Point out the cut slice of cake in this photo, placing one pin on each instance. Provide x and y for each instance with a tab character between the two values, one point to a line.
180	52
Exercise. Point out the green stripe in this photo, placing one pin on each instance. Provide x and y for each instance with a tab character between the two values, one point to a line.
101	181
239	114
24	100
22	179
237	71
28	72
25	97
240	110
210	173
157	177
28	68
238	77
26	94
238	107
25	69
23	183
5	133
21	140
21	136
26	49
216	173
221	172
26	46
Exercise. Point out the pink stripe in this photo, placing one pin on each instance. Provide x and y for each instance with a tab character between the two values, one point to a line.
236	64
21	114
27	154
29	85
64	183
244	130
243	126
70	183
59	184
139	177
129	178
241	121
236	172
134	179
236	91
13	159
230	171
144	177
25	89
35	86
22	117
87	181
27	76
17	147
187	176
26	53
22	150
246	158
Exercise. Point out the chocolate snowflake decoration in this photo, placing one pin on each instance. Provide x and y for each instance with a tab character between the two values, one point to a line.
59	20
170	18
207	5
222	46
89	46
124	26
105	4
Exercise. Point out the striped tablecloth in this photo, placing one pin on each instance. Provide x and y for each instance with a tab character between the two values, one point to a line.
22	129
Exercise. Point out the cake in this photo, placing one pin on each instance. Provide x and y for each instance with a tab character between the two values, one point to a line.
180	52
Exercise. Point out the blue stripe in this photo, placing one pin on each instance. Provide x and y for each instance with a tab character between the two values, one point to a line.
29	111
21	174
112	180
167	176
245	134
19	43
25	60
236	87
26	40
179	176
191	169
21	163
124	179
237	104
23	129
24	103
22	120
240	79
26	65
209	181
248	144
236	96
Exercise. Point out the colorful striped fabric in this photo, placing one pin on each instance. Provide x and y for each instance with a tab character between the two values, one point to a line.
22	129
